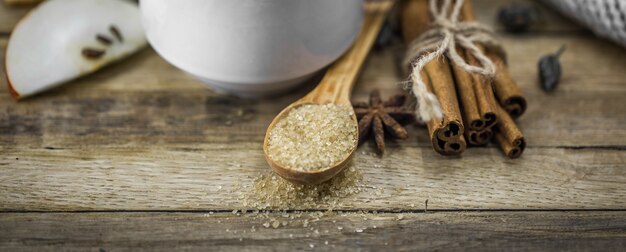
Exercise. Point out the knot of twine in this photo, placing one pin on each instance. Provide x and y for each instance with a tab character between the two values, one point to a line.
442	38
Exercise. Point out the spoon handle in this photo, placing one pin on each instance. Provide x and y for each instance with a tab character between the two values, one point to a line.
336	86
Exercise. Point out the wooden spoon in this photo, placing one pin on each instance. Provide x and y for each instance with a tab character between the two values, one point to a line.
335	88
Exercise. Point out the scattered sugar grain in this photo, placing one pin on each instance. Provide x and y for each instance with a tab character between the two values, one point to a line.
272	192
275	224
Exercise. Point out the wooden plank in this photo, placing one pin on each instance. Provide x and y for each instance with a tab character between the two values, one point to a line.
10	16
589	64
549	20
89	144
479	231
22	2
138	119
205	176
486	11
144	96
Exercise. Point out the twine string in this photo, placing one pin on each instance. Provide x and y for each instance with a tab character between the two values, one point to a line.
446	34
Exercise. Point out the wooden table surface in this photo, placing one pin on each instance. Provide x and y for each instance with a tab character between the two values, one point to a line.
140	156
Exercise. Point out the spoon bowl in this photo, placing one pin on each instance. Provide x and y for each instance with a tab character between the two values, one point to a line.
334	88
302	176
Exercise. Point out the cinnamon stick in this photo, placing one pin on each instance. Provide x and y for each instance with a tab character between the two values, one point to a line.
476	96
508	135
469	106
484	95
506	90
477	104
446	134
511	101
479	138
508	93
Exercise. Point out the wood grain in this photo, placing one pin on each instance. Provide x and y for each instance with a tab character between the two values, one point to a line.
474	231
22	2
10	16
143	135
550	21
198	176
118	99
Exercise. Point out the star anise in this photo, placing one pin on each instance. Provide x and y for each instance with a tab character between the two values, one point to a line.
379	116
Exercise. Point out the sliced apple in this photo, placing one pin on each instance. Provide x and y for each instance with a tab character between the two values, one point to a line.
61	40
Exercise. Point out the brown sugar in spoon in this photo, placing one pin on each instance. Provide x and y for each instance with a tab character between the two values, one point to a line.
334	88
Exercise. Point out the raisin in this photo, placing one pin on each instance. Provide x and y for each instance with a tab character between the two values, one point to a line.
550	70
517	17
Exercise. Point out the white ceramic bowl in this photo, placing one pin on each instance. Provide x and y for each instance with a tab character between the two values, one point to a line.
251	47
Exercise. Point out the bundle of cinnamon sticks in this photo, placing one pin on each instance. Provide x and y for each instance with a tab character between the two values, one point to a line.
477	109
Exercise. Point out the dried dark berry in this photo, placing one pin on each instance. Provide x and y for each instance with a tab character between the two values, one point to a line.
550	70
104	39
91	53
116	32
517	17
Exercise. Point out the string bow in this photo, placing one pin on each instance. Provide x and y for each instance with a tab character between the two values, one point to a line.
446	33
